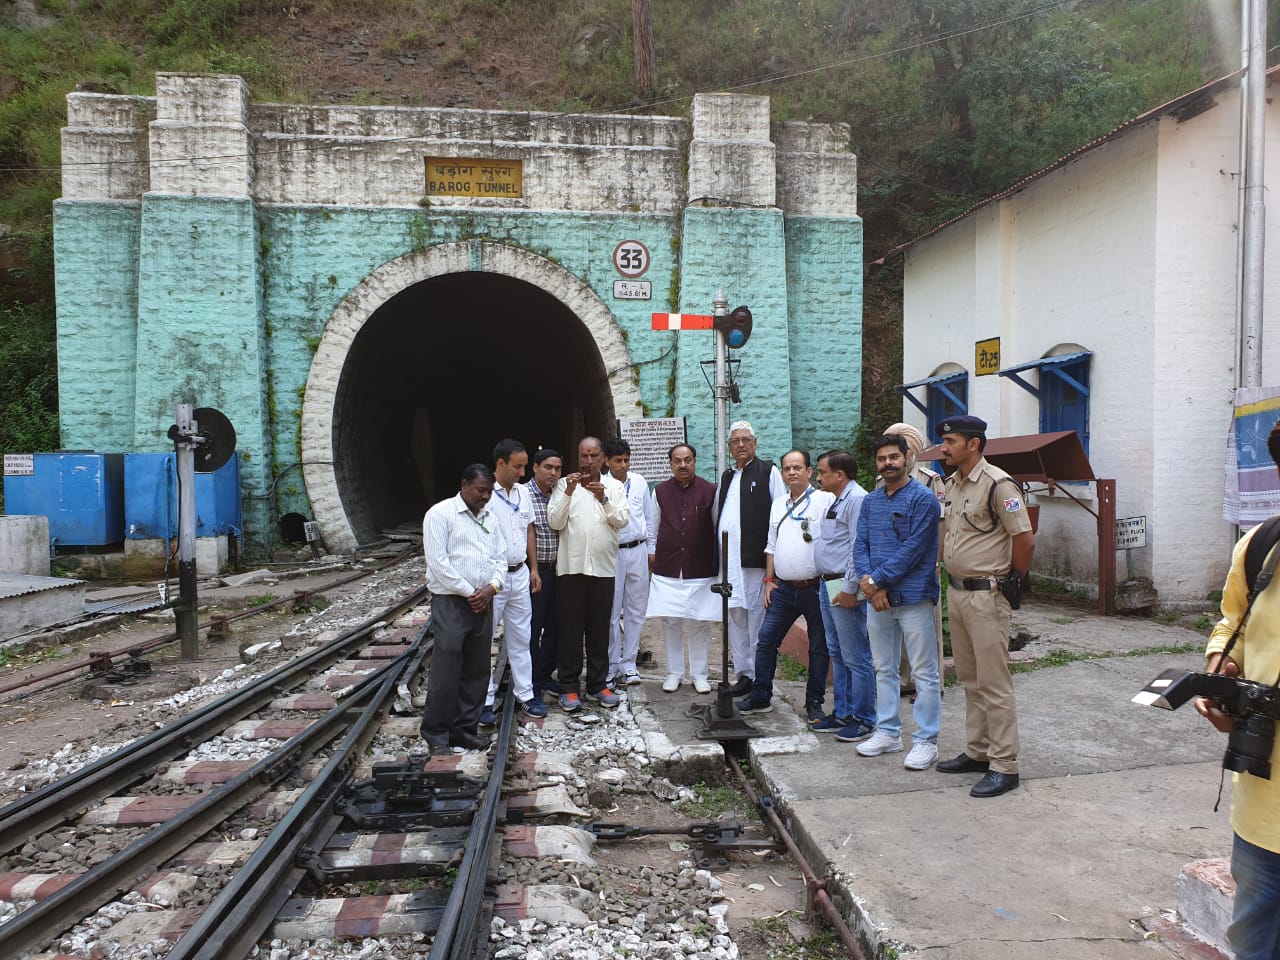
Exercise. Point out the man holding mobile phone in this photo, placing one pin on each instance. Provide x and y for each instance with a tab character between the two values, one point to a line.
588	509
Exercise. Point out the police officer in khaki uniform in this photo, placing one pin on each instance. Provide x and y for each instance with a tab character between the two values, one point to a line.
987	537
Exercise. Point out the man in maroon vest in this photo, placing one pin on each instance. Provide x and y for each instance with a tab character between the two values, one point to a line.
682	558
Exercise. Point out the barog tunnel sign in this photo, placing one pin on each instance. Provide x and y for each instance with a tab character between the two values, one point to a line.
454	177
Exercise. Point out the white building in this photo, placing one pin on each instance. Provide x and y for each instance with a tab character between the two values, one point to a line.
1109	278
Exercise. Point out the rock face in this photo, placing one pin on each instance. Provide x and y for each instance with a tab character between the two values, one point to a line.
1136	593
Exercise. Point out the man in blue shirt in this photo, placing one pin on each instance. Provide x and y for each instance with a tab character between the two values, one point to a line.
894	553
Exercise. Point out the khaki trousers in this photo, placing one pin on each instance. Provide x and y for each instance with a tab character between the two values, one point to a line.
980	647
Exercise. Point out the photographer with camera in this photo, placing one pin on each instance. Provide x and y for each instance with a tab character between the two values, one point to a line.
1251	614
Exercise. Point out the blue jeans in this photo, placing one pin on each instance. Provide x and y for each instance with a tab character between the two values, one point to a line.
786	604
889	630
847	632
1254	933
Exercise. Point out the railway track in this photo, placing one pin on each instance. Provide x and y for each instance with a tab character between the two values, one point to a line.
304	842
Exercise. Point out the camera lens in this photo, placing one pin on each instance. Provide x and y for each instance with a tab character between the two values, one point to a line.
1249	745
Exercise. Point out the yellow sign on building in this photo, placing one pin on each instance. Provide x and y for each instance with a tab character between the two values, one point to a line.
469	177
986	357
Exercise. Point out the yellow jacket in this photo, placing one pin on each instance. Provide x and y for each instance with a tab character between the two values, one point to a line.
1255	803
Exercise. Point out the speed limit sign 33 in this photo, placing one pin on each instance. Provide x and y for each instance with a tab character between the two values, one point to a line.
631	258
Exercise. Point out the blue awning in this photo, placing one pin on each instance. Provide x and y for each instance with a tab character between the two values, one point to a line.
940	383
1052	365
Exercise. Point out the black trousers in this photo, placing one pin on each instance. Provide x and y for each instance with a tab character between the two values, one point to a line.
458	678
542	633
583	605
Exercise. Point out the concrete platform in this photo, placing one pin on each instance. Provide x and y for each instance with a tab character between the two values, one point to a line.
1081	861
30	604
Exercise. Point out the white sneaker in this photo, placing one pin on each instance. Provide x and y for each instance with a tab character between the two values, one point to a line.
922	756
632	678
672	683
879	743
701	685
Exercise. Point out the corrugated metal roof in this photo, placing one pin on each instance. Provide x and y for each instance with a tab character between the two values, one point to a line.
17	585
1186	106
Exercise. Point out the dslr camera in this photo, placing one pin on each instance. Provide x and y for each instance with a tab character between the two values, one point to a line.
1252	706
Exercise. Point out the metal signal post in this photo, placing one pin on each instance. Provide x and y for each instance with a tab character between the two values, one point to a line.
185	439
720	308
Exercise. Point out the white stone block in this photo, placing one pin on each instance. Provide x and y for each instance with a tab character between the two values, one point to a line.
732	173
730	116
201	98
24	545
1206	897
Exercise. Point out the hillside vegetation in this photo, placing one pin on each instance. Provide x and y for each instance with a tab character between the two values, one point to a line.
949	101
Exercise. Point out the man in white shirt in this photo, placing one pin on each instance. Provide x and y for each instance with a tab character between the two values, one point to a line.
631	583
588	509
747	492
513	608
466	569
791	585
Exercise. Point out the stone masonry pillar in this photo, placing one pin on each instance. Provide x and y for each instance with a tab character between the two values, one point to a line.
200	331
733	239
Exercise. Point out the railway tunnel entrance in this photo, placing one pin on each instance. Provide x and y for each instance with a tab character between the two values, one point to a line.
438	372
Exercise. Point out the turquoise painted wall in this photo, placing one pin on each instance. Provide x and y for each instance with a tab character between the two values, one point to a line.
223	302
200	332
743	253
95	248
824	304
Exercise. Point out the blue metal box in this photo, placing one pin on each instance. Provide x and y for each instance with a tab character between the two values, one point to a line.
82	494
151	498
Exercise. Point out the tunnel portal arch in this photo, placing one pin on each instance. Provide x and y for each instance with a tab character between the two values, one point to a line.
434	357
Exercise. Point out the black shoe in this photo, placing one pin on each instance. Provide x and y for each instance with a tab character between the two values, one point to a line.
437	746
742	687
752	705
962	764
470	741
813	713
994	784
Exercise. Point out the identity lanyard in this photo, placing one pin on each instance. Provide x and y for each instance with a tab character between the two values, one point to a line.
791	507
478	519
514	505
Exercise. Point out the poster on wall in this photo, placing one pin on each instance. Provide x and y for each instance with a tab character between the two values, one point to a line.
1252	491
650	439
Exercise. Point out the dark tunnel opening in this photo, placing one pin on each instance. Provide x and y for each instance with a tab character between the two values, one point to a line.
444	370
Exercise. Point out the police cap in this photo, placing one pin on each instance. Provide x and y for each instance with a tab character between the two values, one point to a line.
963	424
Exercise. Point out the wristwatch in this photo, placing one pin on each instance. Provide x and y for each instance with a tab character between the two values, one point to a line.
497	585
872	582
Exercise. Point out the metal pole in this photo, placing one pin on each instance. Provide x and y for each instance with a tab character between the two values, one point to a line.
1255	213
720	307
185	609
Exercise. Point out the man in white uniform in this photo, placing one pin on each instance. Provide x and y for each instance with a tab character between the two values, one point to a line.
747	492
513	607
631	586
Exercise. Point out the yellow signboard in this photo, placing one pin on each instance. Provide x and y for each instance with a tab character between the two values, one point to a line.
470	177
986	357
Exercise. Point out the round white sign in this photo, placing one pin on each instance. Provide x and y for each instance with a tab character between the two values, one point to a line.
631	258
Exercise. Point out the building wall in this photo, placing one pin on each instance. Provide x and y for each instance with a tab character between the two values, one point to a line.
235	233
1129	251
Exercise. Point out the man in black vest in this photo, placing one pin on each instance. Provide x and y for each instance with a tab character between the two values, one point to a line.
747	492
682	558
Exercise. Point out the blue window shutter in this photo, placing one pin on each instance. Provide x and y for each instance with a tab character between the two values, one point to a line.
946	399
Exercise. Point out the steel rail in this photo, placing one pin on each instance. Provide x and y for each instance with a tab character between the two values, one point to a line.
816	892
239	916
67	797
148	645
39	924
456	936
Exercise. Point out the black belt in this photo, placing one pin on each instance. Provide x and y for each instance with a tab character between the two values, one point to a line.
801	584
513	567
828	577
974	583
629	544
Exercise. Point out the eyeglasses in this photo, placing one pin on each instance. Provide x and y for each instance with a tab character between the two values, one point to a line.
737	440
804	531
